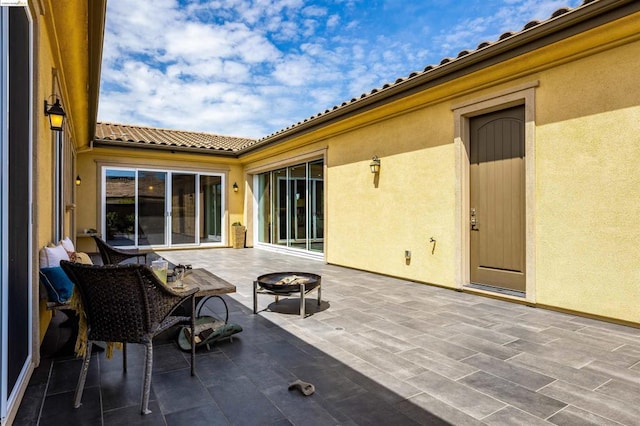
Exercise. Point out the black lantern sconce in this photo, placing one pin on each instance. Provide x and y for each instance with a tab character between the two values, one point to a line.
55	113
78	180
235	187
375	165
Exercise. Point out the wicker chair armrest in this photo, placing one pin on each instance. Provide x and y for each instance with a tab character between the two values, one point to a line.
130	252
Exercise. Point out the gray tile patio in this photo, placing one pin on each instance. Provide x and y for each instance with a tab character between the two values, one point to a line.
379	350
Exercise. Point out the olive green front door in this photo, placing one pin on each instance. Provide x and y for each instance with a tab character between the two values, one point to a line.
497	199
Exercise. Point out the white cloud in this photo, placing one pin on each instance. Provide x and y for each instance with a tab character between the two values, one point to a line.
252	67
294	71
333	21
315	11
511	16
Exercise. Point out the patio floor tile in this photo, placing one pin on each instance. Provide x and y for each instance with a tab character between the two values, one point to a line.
415	355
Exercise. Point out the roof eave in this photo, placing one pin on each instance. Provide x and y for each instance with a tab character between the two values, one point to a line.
156	146
503	49
97	19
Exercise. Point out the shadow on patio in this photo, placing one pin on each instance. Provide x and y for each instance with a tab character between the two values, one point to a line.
385	351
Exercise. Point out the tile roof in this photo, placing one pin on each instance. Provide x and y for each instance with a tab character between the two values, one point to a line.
561	18
147	137
437	70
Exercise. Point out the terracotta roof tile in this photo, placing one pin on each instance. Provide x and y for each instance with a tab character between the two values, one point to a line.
192	140
149	136
430	68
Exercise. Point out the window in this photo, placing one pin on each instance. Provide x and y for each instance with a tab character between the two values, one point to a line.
162	208
291	207
16	85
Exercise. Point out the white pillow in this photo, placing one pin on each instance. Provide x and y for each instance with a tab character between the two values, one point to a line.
51	256
67	244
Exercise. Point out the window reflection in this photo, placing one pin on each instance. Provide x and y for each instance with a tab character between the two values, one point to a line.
211	209
291	207
162	208
120	207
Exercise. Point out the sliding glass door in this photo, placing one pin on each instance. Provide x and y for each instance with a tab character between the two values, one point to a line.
152	217
280	206
298	206
16	162
120	207
290	207
211	209
162	208
316	207
183	208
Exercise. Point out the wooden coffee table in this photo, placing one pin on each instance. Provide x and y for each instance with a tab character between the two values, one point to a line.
209	285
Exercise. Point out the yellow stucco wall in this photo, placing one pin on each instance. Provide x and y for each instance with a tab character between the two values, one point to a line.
60	52
43	163
373	220
587	147
588	151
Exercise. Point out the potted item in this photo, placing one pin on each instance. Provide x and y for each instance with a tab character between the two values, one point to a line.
239	233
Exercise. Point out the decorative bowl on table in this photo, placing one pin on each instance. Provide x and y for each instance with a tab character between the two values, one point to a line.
288	282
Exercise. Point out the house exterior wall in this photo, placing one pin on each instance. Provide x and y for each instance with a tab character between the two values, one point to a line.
372	219
43	162
62	64
585	143
89	165
587	167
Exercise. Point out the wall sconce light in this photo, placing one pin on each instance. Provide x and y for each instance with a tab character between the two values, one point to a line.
235	187
375	164
78	180
55	113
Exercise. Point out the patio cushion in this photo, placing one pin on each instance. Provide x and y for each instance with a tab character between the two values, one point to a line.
59	286
70	248
51	256
67	244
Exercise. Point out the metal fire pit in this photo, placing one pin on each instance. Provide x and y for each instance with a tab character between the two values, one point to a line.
285	284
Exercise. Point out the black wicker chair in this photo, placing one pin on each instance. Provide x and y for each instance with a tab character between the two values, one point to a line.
128	304
112	256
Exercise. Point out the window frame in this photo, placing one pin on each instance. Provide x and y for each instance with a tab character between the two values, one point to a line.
104	168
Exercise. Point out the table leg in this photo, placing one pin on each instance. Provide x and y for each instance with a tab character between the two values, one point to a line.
255	297
319	293
302	306
193	335
204	300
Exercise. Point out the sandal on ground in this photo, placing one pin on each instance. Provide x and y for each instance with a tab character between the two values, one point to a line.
304	387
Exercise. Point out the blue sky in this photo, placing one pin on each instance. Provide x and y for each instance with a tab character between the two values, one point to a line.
252	67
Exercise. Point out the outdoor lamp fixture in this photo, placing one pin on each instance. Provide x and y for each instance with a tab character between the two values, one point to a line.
55	112
235	187
375	165
78	180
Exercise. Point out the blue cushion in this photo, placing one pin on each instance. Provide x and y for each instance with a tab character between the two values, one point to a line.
59	286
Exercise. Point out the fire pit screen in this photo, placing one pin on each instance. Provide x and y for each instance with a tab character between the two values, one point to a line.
286	283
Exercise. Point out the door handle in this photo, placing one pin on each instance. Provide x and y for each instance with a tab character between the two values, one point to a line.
474	220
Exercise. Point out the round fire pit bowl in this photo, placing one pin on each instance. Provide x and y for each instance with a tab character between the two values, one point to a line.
288	282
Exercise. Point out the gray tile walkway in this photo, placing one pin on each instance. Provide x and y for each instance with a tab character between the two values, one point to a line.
379	350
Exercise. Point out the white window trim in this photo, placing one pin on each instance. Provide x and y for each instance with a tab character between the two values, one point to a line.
4	217
306	158
168	208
